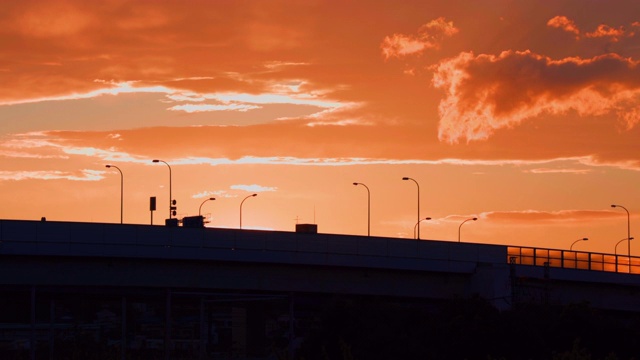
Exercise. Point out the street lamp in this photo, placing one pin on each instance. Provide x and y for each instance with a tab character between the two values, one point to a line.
241	207
460	227
200	208
368	207
616	248
418	185
171	207
417	225
615	251
582	239
121	189
628	230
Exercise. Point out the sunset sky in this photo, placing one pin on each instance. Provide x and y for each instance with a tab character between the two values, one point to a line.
524	114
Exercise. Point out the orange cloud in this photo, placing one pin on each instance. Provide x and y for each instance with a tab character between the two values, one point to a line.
429	36
562	22
82	175
558	171
295	143
485	93
602	31
606	31
535	216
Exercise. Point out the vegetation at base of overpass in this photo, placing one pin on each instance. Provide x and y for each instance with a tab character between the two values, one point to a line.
370	329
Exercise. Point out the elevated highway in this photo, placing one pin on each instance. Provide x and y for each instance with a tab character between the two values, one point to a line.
45	253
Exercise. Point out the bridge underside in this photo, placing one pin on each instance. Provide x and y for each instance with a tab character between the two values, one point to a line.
221	275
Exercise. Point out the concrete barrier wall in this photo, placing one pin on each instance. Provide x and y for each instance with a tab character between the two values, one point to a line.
19	237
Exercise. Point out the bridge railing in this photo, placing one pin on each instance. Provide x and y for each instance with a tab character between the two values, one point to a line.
573	259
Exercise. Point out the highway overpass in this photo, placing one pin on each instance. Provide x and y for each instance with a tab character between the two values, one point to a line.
44	263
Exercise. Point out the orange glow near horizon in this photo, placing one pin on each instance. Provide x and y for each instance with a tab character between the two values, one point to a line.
524	116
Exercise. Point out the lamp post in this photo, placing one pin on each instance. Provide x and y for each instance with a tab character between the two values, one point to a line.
615	251
368	207
460	227
582	239
418	185
417	225
121	190
252	195
170	196
200	208
576	255
628	231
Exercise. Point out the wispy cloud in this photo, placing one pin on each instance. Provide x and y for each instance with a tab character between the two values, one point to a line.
562	22
83	175
191	108
254	188
613	34
558	171
106	88
537	217
429	36
216	194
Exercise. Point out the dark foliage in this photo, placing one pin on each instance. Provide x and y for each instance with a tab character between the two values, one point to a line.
369	329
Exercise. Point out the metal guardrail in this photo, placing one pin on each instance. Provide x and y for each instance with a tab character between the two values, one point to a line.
573	259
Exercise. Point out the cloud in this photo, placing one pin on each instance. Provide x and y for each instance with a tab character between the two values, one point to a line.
485	93
602	31
295	143
558	171
606	31
84	175
216	193
191	108
253	188
429	36
537	217
562	22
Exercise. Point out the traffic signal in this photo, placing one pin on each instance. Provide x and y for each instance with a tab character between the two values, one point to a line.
173	207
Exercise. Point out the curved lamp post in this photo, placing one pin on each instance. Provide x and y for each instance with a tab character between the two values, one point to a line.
252	195
170	196
615	251
582	239
368	207
417	225
628	231
460	227
200	208
418	185
121	190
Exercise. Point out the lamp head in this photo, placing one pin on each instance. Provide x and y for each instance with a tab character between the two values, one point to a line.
355	184
212	198
405	178
254	195
585	239
107	166
427	218
613	205
156	160
631	238
474	219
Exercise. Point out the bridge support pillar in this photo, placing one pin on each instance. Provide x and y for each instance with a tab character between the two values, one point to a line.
492	282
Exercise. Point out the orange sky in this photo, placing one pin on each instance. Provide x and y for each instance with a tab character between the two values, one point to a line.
522	113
